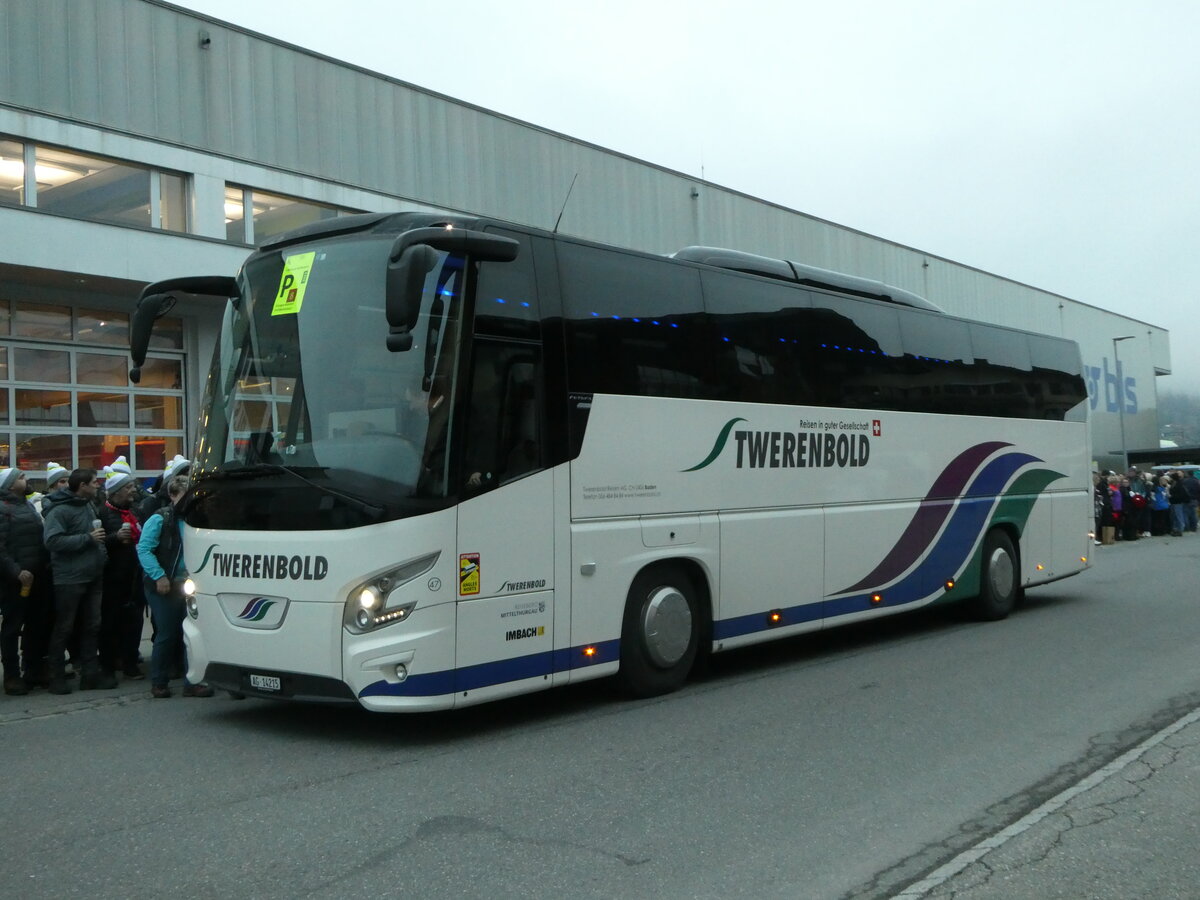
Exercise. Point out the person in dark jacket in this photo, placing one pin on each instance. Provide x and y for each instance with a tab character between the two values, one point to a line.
160	551
157	498
1180	499
24	586
1191	486
75	539
123	600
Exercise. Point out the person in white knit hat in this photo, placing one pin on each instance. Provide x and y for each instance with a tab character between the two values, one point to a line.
157	498
123	597
56	479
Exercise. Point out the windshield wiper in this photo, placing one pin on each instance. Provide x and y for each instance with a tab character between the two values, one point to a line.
258	470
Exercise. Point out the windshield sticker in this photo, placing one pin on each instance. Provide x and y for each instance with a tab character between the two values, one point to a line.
293	283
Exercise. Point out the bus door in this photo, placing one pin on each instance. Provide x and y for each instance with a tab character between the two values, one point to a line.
506	598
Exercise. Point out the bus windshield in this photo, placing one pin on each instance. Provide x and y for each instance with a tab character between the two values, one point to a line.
310	422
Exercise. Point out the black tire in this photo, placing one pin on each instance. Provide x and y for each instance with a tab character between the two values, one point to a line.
661	631
999	578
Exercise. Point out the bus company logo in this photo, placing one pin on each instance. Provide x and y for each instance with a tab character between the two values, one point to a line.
823	444
514	587
274	566
519	634
256	610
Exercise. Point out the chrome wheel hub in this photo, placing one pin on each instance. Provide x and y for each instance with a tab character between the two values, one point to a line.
667	626
1001	576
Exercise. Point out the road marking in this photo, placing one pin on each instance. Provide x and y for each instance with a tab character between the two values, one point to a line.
944	873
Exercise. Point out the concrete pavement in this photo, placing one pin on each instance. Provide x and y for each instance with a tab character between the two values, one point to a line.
1129	830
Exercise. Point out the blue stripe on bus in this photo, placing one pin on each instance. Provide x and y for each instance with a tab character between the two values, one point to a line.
471	678
808	612
739	625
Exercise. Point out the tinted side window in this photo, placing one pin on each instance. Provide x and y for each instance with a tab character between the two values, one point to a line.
758	327
502	438
506	301
938	370
1058	372
857	346
634	325
1005	385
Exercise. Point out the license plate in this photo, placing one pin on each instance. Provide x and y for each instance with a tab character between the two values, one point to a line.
265	682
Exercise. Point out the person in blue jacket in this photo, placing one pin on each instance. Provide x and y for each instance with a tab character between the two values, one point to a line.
160	551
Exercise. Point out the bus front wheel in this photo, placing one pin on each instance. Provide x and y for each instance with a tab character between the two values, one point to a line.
660	634
1000	578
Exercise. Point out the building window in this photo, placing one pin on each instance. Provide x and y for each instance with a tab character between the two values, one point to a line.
91	187
270	214
65	394
12	173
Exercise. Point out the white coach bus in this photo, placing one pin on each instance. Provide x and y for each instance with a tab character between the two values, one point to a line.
444	460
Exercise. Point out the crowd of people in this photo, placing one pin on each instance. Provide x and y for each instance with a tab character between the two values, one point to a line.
80	568
1145	504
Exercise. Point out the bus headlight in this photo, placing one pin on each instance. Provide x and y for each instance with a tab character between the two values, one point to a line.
189	599
377	602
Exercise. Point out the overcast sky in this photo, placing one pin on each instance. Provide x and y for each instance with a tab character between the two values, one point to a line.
1052	142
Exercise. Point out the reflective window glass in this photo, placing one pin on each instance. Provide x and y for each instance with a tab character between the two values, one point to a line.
172	202
5	317
4	405
95	368
254	384
151	453
274	214
38	321
98	410
162	373
35	407
5	449
53	366
505	295
155	411
235	218
101	327
936	338
98	450
3	364
87	187
12	173
252	415
634	325
1001	347
168	335
35	450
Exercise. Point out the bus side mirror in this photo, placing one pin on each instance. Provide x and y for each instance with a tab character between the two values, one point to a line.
156	301
405	285
141	325
414	255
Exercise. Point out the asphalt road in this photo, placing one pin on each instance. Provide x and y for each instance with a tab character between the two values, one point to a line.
848	764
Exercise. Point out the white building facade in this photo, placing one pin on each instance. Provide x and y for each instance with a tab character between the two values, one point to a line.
140	141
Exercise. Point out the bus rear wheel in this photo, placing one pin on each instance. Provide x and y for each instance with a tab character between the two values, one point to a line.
660	634
999	578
